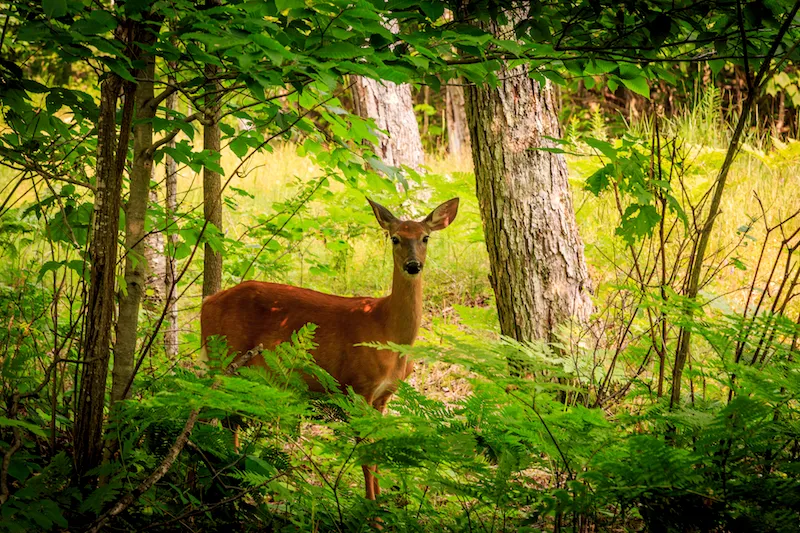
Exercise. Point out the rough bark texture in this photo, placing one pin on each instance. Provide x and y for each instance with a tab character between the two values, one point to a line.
539	273
135	212
392	108
212	211
171	332
212	181
100	303
458	140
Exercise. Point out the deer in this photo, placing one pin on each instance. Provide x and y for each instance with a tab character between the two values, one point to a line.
256	313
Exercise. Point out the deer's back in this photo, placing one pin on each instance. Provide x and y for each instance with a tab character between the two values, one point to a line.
255	312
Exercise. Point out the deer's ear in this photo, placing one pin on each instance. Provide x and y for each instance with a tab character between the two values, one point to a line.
442	216
384	216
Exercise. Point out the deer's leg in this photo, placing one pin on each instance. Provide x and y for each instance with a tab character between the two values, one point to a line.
380	405
375	482
369	481
369	485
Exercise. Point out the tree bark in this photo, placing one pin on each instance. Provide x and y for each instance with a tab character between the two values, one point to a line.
538	270
135	214
212	181
156	265
392	108
458	139
171	332
88	435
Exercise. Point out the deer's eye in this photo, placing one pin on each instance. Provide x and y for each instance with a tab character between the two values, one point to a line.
425	238
395	240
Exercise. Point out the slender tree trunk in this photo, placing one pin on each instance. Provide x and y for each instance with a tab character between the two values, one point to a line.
171	332
538	270
212	181
157	265
426	98
696	264
456	120
88	435
135	213
780	115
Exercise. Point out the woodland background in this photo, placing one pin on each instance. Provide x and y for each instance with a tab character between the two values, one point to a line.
611	323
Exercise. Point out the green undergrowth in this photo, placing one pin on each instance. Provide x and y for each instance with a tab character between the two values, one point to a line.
488	434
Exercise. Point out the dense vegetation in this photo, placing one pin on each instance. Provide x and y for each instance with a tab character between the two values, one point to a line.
617	424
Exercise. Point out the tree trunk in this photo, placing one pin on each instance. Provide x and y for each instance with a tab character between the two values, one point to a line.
212	181
171	332
539	273
157	265
456	120
135	213
392	108
88	435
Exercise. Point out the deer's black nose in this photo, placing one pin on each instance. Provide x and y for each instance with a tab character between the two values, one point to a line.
413	267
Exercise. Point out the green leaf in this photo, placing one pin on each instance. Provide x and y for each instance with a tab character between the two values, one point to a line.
716	65
118	67
600	180
284	5
54	8
434	10
552	150
342	50
638	85
33	428
44	269
97	22
555	77
738	264
604	147
239	147
600	66
434	82
79	267
638	221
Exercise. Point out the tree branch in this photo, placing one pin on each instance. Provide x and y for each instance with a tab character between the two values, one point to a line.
174	133
696	268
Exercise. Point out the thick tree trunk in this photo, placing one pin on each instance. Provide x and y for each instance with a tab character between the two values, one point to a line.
136	210
539	273
88	435
392	108
456	120
212	181
171	332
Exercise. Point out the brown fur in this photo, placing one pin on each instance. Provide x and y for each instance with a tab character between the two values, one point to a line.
255	312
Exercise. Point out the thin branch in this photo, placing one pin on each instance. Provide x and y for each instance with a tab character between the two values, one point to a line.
173	453
174	133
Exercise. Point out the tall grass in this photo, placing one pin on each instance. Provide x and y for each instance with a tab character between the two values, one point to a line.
765	168
457	271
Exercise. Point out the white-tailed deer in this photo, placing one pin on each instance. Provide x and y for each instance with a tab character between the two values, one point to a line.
255	312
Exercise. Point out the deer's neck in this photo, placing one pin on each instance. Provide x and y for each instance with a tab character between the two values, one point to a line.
405	307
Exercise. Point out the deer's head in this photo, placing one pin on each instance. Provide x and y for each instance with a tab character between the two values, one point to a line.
410	238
